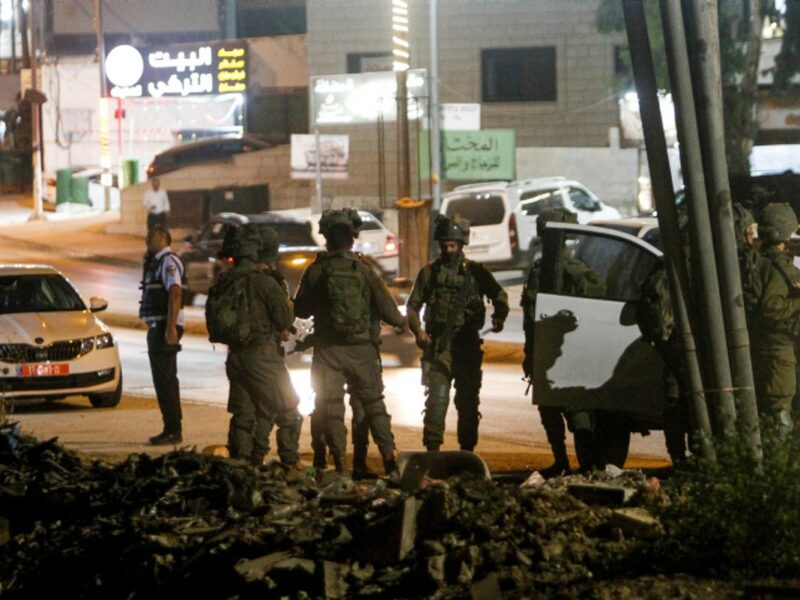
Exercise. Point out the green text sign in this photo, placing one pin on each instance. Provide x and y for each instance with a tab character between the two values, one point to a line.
473	155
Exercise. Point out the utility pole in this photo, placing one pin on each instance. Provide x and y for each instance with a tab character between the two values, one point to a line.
656	147
105	142
433	83
36	124
706	43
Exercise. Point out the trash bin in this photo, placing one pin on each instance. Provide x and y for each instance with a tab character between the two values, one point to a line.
130	172
63	186
79	189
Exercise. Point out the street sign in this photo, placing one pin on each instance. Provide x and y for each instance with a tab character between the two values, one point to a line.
486	155
335	152
460	117
365	97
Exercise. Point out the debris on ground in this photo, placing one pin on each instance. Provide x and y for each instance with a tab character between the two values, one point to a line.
186	524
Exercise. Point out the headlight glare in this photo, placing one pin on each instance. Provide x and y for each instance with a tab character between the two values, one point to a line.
87	345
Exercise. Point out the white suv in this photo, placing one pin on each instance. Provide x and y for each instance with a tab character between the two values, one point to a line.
503	215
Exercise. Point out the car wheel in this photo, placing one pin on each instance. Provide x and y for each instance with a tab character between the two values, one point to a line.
107	400
612	438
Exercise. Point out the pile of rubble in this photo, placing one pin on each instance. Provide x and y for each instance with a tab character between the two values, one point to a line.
203	526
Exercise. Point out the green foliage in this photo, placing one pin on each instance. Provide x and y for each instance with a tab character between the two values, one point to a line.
734	519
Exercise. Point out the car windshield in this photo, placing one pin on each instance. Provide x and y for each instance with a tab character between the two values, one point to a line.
479	208
37	293
293	233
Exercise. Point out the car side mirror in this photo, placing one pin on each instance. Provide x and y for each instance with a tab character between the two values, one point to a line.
97	304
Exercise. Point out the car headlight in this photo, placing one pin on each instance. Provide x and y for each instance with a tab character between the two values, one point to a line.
299	261
87	345
105	340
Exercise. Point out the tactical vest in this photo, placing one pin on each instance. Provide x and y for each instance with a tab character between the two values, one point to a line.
348	314
443	294
155	298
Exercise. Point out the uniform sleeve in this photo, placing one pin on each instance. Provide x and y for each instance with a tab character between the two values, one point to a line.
304	299
278	304
417	298
166	201
171	272
383	302
489	287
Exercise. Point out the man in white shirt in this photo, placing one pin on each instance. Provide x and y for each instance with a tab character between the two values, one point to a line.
161	308
156	202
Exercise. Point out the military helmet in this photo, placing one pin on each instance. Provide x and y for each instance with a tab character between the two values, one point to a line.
453	228
777	223
242	242
269	245
556	215
342	216
742	220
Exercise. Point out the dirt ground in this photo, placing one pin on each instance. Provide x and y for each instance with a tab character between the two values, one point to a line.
113	434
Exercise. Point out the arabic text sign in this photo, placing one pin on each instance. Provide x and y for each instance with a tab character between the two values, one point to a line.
186	70
473	155
460	117
364	97
335	152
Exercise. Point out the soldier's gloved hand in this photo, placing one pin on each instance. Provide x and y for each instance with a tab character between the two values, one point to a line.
423	339
497	325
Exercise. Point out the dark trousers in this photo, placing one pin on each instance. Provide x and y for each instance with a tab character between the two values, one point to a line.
164	367
154	219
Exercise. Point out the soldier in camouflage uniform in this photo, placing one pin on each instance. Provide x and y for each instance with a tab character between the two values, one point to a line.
452	289
776	320
260	388
289	401
579	280
348	301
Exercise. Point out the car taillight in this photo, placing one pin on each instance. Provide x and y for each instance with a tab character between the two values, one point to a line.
512	231
391	244
229	260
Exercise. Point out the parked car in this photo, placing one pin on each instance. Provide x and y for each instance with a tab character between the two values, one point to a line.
503	215
588	352
202	251
374	239
51	345
211	149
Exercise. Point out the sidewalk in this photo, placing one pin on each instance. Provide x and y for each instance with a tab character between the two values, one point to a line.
83	237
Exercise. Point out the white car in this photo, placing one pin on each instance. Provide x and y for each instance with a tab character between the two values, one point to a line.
503	215
51	345
374	238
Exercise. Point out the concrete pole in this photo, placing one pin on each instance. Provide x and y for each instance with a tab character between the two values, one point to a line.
706	59
699	219
433	83
36	125
105	158
656	147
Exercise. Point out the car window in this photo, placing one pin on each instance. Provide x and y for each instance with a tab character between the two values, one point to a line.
369	223
293	233
583	201
480	208
37	293
617	265
534	202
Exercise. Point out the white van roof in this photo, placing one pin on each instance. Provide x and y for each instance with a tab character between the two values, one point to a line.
540	182
479	187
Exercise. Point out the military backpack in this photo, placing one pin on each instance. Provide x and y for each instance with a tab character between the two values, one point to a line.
228	309
348	296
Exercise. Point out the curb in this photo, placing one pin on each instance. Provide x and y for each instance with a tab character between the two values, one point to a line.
493	352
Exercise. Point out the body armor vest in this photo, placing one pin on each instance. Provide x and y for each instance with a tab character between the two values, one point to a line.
155	298
445	286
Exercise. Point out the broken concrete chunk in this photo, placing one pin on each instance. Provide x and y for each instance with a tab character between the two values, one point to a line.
602	494
636	521
256	568
334	579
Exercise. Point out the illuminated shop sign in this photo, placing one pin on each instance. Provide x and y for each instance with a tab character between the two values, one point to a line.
366	97
177	71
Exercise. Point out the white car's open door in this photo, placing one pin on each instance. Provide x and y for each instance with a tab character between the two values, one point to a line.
588	351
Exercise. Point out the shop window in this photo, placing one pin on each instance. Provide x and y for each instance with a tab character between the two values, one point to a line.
258	21
519	74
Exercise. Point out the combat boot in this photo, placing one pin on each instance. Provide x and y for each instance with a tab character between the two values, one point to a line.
560	466
390	464
360	468
294	473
